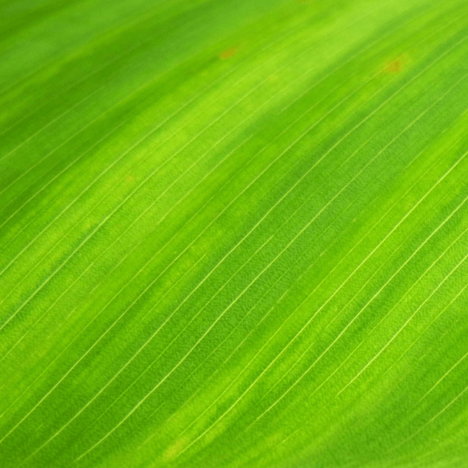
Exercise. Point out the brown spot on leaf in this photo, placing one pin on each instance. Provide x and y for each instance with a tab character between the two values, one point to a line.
394	67
228	53
397	65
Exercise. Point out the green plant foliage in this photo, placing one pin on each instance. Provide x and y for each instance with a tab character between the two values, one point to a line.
233	233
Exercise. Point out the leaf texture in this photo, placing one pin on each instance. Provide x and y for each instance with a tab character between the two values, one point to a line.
233	233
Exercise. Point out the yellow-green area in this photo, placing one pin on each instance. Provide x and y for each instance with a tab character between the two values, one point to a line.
233	233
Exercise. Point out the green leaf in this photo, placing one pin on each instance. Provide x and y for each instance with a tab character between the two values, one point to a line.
233	233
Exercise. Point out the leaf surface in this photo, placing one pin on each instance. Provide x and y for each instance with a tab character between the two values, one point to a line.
233	233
